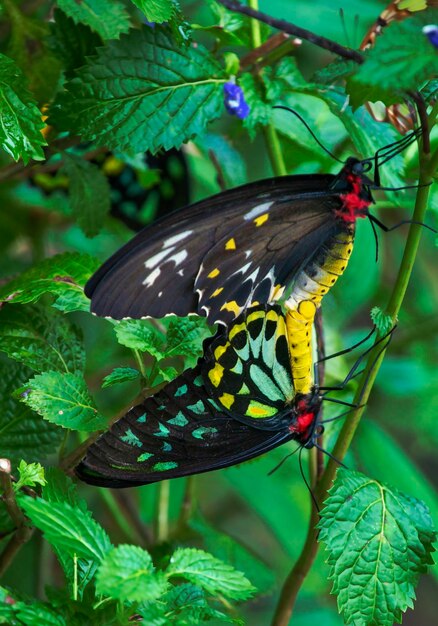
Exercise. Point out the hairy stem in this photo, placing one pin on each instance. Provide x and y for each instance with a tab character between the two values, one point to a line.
23	532
292	29
428	165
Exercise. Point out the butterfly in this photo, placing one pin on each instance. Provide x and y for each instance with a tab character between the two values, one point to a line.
237	403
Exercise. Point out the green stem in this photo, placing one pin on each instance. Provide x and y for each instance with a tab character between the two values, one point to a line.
427	165
256	36
274	150
162	517
139	359
188	503
118	516
269	131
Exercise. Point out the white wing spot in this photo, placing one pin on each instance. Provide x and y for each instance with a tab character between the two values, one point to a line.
160	294
179	257
248	253
149	281
172	240
180	272
257	210
155	260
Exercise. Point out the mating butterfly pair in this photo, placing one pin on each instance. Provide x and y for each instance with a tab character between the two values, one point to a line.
220	258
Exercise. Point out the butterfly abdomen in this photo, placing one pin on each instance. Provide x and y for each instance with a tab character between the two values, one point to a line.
311	285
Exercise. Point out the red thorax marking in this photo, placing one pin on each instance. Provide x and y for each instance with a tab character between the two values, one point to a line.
353	205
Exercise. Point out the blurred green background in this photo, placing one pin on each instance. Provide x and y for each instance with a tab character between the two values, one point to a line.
398	437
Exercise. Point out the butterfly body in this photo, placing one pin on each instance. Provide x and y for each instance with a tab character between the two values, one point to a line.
237	403
220	255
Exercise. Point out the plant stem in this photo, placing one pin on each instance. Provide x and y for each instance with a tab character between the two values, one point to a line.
23	532
269	131
274	150
139	359
187	505
427	165
292	29
112	504
162	516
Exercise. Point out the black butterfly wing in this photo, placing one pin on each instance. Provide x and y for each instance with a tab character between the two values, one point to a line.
177	432
263	258
154	274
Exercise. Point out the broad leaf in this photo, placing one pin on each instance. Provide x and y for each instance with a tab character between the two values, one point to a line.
67	528
61	489
173	92
377	548
403	59
140	335
71	42
156	10
120	375
128	574
60	275
37	613
23	433
21	123
89	193
62	399
107	17
41	338
211	574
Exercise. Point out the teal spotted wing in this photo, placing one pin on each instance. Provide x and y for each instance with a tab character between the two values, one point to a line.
177	432
237	403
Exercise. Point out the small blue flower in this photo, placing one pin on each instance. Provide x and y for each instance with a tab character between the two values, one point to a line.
431	32
235	100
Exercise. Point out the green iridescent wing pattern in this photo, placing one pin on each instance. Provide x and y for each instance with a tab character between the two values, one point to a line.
247	372
187	428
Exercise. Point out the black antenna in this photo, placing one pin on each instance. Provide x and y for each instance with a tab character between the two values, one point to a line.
285	108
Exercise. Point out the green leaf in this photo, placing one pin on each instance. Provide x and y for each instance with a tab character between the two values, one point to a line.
211	574
380	320
23	433
41	338
71	42
61	489
403	58
120	375
62	399
108	18
173	92
128	574
60	275
89	193
375	549
188	603
260	111
185	336
68	528
31	474
227	549
140	335
156	10
21	123
37	613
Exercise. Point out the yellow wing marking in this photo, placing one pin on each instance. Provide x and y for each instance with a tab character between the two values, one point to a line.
226	400
220	350
231	306
261	219
214	273
217	292
230	245
215	374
